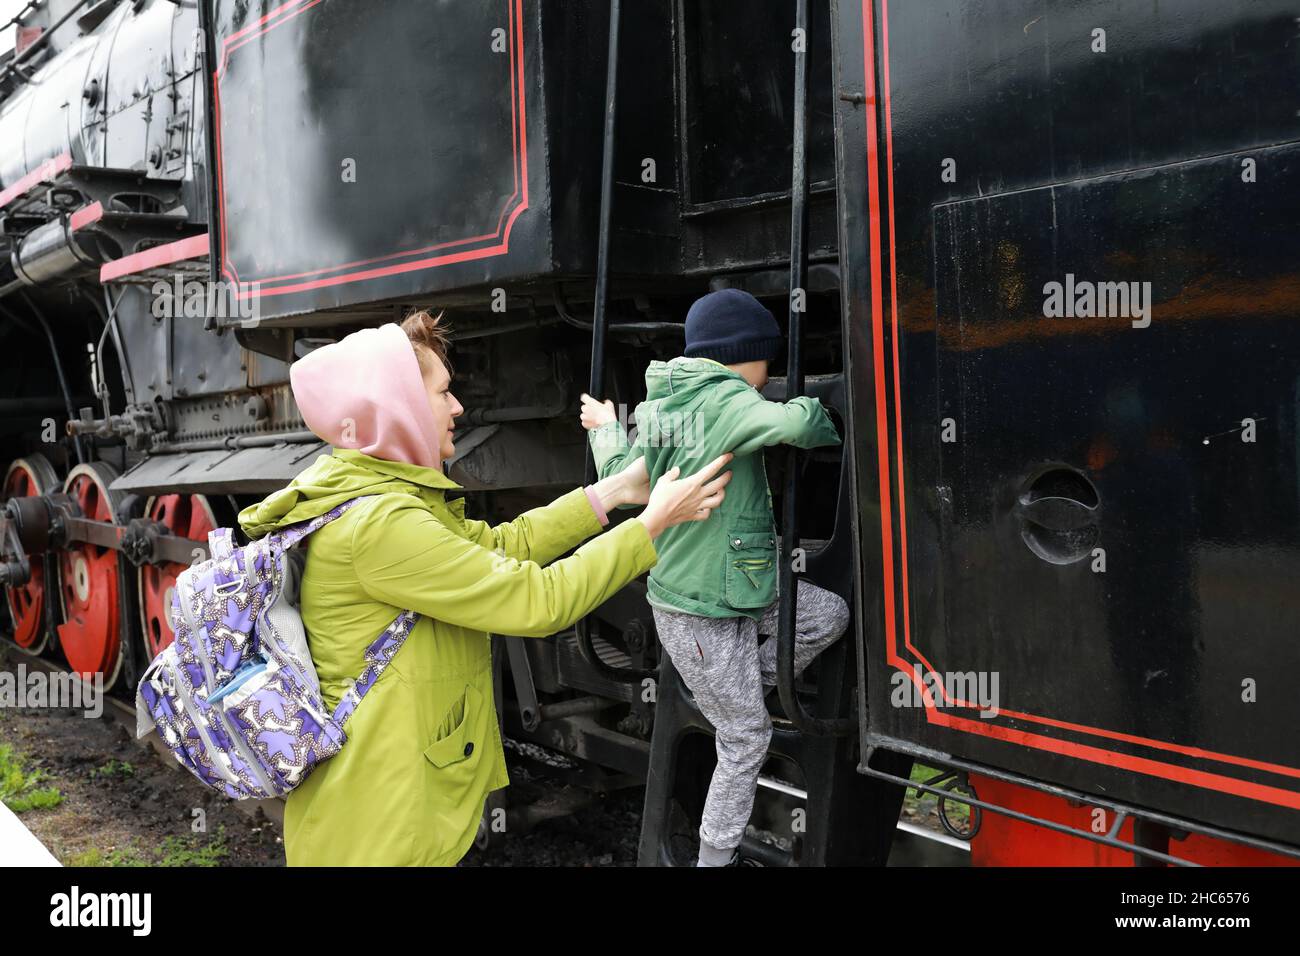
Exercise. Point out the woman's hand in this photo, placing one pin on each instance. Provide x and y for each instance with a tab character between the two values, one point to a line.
675	500
631	486
594	413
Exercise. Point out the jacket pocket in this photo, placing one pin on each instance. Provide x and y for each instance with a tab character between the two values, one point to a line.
460	749
750	579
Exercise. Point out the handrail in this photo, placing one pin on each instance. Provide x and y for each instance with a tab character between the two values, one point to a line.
13	65
600	322
790	702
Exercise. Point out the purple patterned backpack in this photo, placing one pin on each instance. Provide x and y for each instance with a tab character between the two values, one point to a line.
235	696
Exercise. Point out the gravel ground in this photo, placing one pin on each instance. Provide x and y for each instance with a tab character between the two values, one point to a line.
123	804
603	834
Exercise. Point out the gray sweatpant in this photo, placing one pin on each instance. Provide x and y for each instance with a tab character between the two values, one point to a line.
720	660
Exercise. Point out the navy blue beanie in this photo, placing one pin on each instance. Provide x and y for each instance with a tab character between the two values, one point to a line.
731	326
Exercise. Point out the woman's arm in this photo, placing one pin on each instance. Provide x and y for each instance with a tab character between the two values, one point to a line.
543	534
407	558
540	534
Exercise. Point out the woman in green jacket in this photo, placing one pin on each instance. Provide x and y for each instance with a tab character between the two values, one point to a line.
424	748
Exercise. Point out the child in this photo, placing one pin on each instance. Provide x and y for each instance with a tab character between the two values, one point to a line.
714	588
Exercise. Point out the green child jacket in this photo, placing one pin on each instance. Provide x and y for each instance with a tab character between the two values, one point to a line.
424	748
695	410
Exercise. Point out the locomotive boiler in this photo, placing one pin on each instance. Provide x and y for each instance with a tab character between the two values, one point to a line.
1092	507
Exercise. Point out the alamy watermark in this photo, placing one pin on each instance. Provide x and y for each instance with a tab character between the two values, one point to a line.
40	688
75	908
193	299
659	430
1100	300
962	689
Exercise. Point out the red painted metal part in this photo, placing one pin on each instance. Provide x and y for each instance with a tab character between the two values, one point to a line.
189	516
26	602
43	173
1004	841
88	584
85	216
194	247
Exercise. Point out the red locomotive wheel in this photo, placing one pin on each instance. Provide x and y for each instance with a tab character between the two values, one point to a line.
88	582
190	516
28	477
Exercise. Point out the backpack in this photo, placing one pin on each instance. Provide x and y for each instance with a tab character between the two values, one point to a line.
235	696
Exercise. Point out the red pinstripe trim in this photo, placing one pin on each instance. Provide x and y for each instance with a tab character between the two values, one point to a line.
933	714
281	13
519	145
1143	765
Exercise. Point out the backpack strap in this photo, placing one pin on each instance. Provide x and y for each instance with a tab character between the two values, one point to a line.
379	655
383	648
296	532
220	544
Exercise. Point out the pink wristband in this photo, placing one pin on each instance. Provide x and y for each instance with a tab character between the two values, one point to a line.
596	505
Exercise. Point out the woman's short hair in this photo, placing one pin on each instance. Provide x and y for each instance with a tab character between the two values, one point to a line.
429	337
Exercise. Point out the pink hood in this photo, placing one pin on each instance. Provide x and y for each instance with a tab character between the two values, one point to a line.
370	379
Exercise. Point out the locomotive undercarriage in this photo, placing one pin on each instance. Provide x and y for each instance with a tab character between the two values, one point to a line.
95	546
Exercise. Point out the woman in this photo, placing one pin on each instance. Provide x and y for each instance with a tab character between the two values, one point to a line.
424	748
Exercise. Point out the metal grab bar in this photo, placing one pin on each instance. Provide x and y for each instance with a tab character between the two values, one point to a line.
790	702
600	322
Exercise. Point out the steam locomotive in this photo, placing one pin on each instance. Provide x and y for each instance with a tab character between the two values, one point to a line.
1039	260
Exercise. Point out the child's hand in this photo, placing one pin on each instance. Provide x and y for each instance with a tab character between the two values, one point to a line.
594	413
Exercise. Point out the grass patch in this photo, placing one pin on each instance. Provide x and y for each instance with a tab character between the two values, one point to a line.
117	856
21	790
113	770
176	851
173	851
922	801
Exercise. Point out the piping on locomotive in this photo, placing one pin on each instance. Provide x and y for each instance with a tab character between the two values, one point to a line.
1101	513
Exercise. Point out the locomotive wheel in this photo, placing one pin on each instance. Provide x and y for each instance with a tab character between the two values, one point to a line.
189	516
89	582
29	477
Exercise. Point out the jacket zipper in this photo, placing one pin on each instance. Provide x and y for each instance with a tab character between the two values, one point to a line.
748	566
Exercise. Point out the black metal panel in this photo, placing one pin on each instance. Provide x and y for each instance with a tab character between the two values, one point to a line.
737	98
347	175
1116	166
1198	538
439	124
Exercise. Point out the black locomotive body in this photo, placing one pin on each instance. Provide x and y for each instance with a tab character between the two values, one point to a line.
1083	502
1035	257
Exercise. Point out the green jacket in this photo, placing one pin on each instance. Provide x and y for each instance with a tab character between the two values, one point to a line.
408	788
695	410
